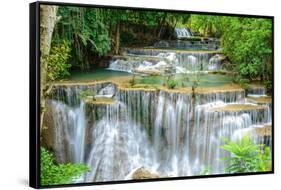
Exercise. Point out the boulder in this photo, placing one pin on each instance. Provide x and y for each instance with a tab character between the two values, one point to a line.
142	173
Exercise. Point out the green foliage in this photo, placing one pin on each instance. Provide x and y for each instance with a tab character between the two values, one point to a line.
207	25
93	31
87	30
171	83
246	156
242	81
205	171
83	94
132	81
247	43
54	174
58	68
268	85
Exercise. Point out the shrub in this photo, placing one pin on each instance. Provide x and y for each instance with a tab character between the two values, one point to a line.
171	84
58	68
268	85
205	171
132	81
85	93
54	174
247	156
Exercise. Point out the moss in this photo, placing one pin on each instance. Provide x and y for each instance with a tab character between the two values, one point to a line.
237	107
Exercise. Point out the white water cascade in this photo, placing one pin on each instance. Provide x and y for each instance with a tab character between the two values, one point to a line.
180	62
214	63
183	33
171	134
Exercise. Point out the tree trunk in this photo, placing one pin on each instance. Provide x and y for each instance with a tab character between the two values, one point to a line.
161	25
48	15
117	38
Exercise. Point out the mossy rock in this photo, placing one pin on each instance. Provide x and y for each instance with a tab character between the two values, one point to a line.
142	173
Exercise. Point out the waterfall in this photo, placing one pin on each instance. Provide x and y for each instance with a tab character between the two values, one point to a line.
183	33
155	60
256	91
119	146
214	63
70	132
168	133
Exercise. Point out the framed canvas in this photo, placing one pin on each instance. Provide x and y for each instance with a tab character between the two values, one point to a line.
122	94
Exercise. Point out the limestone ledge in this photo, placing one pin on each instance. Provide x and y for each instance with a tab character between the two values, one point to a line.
237	108
264	131
123	84
136	57
221	89
100	101
175	50
260	100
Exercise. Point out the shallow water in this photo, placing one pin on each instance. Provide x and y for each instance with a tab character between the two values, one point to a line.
206	80
97	74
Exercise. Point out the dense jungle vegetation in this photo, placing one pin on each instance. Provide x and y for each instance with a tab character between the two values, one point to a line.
82	39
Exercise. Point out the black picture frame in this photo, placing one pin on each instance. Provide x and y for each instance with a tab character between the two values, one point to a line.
34	94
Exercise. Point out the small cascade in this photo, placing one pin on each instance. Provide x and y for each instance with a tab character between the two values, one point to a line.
171	127
127	66
118	146
183	33
256	91
219	119
214	63
236	95
153	60
69	131
259	134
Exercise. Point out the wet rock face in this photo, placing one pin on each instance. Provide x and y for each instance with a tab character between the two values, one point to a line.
142	173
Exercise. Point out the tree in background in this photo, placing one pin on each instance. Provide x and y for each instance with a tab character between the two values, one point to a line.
207	25
247	43
49	18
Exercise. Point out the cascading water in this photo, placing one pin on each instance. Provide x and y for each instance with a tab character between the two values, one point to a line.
214	63
70	131
119	145
256	91
183	33
169	133
182	62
